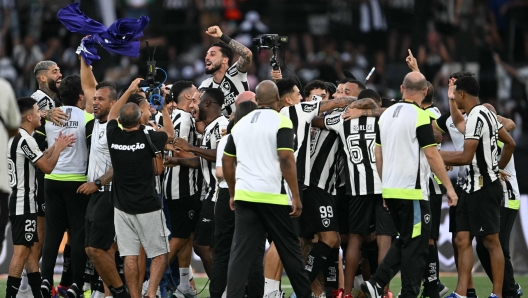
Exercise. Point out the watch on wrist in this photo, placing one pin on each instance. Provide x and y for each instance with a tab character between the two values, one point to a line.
98	183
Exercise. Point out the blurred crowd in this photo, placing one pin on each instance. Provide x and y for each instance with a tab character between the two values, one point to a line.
488	37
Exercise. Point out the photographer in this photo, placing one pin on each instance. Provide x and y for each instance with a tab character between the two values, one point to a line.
231	79
138	216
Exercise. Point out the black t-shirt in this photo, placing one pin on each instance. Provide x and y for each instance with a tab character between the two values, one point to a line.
133	185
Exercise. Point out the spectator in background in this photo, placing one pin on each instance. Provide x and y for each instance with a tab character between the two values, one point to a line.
432	55
10	24
26	56
400	18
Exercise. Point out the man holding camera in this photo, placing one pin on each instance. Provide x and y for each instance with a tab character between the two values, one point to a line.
231	79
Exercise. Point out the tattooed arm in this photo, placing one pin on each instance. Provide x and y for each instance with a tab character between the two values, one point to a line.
363	107
339	102
244	62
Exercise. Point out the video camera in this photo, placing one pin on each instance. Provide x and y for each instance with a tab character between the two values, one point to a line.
149	85
273	42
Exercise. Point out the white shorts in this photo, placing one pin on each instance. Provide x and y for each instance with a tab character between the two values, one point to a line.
147	229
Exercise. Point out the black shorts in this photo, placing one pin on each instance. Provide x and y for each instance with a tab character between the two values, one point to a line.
204	234
99	221
362	214
435	201
184	214
41	203
452	209
341	202
384	222
479	212
318	210
24	229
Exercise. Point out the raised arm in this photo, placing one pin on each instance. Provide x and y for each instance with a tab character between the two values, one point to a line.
133	88
168	127
456	115
244	62
88	84
339	102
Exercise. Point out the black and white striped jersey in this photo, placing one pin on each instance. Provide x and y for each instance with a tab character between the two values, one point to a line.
323	158
233	83
482	125
358	137
180	182
22	153
44	102
211	137
301	115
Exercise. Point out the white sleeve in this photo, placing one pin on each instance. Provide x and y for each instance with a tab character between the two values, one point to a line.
474	126
220	151
333	122
310	110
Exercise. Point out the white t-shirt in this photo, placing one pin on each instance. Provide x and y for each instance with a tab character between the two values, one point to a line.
219	153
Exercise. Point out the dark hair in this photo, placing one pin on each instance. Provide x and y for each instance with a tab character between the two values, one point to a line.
360	85
285	86
106	84
316	84
70	89
225	50
136	98
216	94
230	126
331	88
243	109
430	92
177	89
369	93
468	85
25	104
460	74
386	102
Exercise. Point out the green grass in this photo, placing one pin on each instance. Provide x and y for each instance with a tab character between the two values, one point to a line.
482	284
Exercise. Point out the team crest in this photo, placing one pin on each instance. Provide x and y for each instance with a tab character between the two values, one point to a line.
226	86
69	111
29	236
101	134
326	222
427	218
191	214
44	207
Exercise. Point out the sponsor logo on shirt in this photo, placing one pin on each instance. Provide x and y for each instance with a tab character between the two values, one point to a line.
333	120
132	148
101	134
30	154
309	108
229	99
478	128
233	71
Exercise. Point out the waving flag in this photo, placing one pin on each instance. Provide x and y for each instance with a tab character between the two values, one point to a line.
122	37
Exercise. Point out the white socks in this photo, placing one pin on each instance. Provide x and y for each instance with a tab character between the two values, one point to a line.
185	276
271	285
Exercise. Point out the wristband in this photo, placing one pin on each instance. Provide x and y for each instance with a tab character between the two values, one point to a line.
225	38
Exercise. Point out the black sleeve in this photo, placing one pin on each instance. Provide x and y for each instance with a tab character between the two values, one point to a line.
377	130
425	135
159	139
230	148
89	130
111	127
40	137
285	139
441	122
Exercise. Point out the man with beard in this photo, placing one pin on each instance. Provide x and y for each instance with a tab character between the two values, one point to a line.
231	79
206	108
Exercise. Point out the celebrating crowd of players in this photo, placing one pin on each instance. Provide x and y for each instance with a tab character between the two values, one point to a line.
223	169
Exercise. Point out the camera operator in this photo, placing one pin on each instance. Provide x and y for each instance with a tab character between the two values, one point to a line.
138	220
231	79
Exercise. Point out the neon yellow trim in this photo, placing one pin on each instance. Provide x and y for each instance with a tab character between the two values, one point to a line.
288	149
439	127
422	117
431	145
417	230
437	180
431	114
87	117
261	197
67	177
402	193
378	144
501	144
513	204
40	132
229	154
285	122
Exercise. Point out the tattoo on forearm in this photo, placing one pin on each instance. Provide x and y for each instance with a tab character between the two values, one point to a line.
244	62
365	103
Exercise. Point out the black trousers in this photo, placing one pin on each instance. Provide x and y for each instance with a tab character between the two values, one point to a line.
65	210
224	229
507	220
252	221
409	252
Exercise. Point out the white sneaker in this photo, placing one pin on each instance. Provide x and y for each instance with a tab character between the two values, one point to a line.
189	293
144	289
275	294
25	293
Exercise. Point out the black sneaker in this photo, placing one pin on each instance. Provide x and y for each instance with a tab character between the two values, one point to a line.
45	289
371	289
75	292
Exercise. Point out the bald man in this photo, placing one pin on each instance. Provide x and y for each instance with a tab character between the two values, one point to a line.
245	96
262	145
